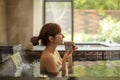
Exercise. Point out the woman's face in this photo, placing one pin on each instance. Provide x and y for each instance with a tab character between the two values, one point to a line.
59	38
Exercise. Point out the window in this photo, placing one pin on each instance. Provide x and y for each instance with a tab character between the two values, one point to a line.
60	12
80	19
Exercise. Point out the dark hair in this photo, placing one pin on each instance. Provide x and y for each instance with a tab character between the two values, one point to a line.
49	29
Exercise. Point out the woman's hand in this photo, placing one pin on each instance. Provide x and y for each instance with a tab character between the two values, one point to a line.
69	53
74	47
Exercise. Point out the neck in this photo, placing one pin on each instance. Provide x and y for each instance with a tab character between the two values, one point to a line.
51	48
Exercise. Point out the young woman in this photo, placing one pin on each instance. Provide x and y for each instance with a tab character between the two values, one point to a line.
51	62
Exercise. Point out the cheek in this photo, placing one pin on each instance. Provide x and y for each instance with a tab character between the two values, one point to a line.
59	39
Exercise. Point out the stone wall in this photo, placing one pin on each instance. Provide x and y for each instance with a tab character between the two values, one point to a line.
16	22
3	22
20	22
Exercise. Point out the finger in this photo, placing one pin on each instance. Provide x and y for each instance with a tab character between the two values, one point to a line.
66	51
75	47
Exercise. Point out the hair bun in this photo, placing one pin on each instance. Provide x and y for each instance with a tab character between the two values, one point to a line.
34	40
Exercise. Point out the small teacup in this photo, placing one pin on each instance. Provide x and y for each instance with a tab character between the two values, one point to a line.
68	45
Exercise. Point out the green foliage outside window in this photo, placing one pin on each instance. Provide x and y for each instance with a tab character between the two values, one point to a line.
109	30
97	4
109	27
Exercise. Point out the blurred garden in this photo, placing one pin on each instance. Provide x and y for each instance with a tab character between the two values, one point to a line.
97	21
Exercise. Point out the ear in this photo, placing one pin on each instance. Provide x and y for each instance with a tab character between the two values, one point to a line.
50	38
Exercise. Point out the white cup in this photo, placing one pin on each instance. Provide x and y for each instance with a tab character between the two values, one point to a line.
68	45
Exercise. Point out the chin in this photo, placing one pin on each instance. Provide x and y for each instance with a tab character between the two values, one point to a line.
60	43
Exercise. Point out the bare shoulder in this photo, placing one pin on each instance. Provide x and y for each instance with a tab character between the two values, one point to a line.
48	57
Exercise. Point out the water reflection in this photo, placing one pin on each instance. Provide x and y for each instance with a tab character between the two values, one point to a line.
72	78
96	68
